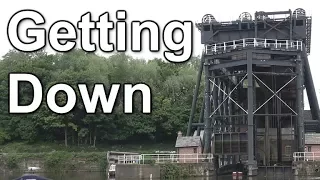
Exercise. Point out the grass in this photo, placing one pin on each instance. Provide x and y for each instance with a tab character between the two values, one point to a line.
23	147
57	157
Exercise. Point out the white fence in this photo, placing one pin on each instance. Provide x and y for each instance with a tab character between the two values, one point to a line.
164	158
306	156
253	42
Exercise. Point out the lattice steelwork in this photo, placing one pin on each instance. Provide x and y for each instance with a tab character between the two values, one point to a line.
255	74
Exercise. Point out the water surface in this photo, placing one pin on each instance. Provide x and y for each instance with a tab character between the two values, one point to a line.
102	176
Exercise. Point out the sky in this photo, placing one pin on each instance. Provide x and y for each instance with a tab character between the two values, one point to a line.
161	12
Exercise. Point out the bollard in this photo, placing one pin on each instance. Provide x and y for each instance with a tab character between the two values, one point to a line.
239	175
234	175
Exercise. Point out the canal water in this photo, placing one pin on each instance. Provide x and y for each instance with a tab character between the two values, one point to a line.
102	176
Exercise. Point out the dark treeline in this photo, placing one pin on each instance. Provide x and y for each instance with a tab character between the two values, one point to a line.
171	84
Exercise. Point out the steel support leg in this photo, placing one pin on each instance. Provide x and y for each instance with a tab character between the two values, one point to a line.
207	128
299	101
252	169
266	137
201	117
312	96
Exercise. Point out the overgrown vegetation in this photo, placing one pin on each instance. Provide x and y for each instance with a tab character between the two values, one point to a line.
56	161
23	147
173	171
171	85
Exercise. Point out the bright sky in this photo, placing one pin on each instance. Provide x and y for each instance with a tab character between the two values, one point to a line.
161	12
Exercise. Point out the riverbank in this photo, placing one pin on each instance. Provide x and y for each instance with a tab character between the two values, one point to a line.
57	157
23	147
54	161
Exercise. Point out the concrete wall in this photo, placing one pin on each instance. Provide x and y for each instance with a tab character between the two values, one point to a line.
307	168
137	171
144	171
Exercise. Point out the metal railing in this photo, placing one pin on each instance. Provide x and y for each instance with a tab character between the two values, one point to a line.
306	156
129	159
255	43
164	158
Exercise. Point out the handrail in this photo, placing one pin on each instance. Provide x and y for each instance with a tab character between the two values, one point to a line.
306	156
255	43
162	158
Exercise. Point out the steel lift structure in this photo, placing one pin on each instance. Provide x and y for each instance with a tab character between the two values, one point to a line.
255	72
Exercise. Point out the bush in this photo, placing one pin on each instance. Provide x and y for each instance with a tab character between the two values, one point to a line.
4	137
57	160
173	171
12	162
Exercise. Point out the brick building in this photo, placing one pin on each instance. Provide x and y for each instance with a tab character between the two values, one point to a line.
312	142
189	148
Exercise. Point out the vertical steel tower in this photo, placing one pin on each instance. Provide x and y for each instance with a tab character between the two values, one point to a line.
255	71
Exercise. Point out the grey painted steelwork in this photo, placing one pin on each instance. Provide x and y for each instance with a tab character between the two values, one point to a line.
255	73
312	97
295	26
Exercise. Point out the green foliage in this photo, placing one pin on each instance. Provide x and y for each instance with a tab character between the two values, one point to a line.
149	161
57	160
103	163
171	84
12	161
4	136
173	171
35	148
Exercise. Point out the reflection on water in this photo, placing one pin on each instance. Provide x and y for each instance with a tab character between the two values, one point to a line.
63	176
102	176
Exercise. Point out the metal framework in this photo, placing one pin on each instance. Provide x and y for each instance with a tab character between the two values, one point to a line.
255	72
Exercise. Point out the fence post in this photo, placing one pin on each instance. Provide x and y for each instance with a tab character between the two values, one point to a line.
197	157
142	158
312	156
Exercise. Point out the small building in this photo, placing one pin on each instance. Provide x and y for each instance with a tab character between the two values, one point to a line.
189	148
312	147
312	142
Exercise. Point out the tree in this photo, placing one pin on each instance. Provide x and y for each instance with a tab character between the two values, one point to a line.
171	84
